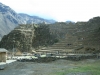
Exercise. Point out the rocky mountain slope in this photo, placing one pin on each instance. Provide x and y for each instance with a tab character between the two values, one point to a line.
9	19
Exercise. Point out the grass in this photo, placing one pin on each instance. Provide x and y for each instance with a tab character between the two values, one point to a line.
92	68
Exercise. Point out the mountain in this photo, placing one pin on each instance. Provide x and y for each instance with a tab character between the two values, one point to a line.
35	19
9	19
78	36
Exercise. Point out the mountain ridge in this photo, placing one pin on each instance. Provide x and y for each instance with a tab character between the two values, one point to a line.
35	19
9	19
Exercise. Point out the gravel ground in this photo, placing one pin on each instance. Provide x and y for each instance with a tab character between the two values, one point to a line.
33	68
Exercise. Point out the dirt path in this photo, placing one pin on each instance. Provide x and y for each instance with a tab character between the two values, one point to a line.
33	68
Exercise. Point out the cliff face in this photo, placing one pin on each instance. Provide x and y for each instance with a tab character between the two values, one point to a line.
9	19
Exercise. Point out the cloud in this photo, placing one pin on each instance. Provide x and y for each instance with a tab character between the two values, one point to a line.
61	10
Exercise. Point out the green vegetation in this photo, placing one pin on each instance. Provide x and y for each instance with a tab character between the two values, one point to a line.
43	36
91	68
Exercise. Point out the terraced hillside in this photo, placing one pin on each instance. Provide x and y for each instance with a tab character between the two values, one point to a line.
77	36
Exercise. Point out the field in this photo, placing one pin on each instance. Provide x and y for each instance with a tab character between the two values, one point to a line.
90	67
58	67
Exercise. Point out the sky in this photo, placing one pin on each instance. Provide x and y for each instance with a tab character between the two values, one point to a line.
59	10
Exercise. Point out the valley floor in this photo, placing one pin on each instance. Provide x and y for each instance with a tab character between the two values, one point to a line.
58	67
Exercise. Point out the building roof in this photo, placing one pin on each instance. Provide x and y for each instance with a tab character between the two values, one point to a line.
3	50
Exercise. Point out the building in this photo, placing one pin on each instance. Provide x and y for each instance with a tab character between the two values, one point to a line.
3	54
